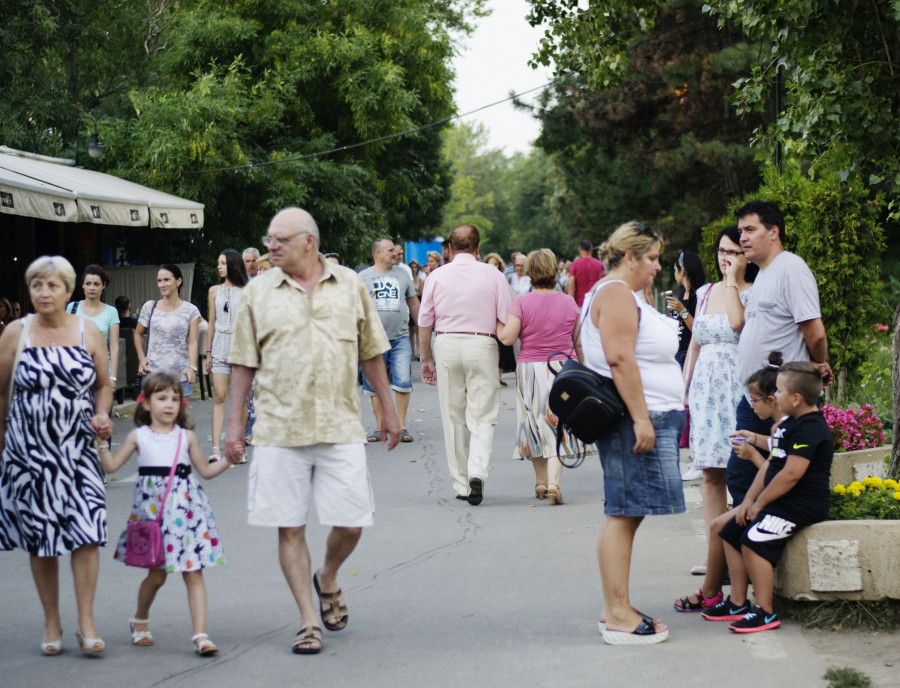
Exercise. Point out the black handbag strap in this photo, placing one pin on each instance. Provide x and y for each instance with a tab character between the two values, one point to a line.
149	322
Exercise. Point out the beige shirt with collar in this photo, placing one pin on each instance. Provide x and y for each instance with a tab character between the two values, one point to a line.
306	352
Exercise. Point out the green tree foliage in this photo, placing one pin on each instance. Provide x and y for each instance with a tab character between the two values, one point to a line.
511	199
835	227
841	60
662	145
842	65
186	87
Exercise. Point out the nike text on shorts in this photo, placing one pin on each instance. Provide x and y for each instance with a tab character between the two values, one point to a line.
767	535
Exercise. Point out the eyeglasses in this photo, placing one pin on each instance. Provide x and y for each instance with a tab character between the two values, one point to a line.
753	401
728	253
270	242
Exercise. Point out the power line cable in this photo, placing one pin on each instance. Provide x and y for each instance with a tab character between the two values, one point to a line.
352	146
407	132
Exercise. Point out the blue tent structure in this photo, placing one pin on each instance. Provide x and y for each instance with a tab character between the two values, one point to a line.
418	250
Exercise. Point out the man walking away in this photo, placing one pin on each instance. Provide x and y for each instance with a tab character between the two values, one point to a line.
585	272
303	326
395	298
463	302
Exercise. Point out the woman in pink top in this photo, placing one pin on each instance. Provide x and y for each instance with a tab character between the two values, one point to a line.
546	322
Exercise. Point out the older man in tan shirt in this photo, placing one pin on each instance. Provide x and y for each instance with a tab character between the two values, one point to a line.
303	326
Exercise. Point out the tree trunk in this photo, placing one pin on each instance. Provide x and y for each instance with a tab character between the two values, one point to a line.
895	450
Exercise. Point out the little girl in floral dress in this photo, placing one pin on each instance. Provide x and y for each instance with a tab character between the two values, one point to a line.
190	538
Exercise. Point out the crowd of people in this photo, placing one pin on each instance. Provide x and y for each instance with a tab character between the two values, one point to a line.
733	370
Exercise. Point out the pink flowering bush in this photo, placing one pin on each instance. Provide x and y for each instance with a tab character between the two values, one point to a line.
854	428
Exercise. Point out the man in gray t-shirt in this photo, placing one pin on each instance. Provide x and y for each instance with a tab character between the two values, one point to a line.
782	314
394	294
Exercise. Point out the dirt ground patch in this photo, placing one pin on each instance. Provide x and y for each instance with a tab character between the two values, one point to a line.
872	652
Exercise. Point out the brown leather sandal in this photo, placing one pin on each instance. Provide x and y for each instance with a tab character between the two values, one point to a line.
308	641
335	616
540	490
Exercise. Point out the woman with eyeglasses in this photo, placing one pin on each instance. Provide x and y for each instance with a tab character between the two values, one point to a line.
224	299
713	386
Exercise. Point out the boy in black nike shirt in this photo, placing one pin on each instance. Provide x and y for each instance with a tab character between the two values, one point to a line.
791	491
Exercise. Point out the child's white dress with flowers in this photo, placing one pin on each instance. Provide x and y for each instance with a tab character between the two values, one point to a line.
190	537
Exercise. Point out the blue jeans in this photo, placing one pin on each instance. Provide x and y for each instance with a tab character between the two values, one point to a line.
643	484
739	473
398	362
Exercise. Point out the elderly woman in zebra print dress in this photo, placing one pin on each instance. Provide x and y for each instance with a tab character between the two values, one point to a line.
52	500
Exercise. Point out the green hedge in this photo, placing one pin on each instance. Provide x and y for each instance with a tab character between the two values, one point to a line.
834	226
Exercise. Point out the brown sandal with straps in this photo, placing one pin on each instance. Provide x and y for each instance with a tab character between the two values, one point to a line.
303	643
336	615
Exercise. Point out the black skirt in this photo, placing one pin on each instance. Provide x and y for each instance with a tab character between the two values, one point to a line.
507	358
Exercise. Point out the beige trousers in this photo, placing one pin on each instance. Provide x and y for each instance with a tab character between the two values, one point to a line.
469	391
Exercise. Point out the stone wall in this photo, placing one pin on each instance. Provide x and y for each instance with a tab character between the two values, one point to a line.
845	560
859	464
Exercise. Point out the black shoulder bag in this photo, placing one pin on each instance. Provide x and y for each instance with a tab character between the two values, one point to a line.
139	380
585	403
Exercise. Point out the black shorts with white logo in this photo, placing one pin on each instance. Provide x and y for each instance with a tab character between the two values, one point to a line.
768	535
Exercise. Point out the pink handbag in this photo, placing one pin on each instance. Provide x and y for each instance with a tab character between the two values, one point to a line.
143	539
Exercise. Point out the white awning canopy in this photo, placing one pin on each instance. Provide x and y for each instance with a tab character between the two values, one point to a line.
41	187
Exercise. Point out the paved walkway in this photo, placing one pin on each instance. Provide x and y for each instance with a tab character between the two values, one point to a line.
440	593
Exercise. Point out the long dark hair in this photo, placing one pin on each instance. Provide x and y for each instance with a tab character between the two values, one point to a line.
160	381
731	231
176	273
692	265
235	269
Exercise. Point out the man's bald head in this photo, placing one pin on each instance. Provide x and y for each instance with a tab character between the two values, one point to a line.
292	220
465	239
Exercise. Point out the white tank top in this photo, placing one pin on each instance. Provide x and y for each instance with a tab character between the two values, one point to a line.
159	450
654	351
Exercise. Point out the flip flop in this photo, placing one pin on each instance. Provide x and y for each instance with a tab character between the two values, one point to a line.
644	634
405	436
374	437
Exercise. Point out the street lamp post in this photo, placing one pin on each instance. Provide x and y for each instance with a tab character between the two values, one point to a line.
95	148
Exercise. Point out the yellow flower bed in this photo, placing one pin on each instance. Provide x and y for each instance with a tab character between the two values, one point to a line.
873	498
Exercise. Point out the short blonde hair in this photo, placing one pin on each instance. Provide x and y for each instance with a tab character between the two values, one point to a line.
632	237
495	256
265	258
540	266
48	266
435	255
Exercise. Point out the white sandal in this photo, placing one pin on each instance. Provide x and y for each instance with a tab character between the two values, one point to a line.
89	646
53	648
138	636
215	456
206	647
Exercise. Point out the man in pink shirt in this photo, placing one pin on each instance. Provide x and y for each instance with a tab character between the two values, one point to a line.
585	272
463	302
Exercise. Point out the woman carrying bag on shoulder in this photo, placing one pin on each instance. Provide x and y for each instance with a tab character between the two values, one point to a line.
631	342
